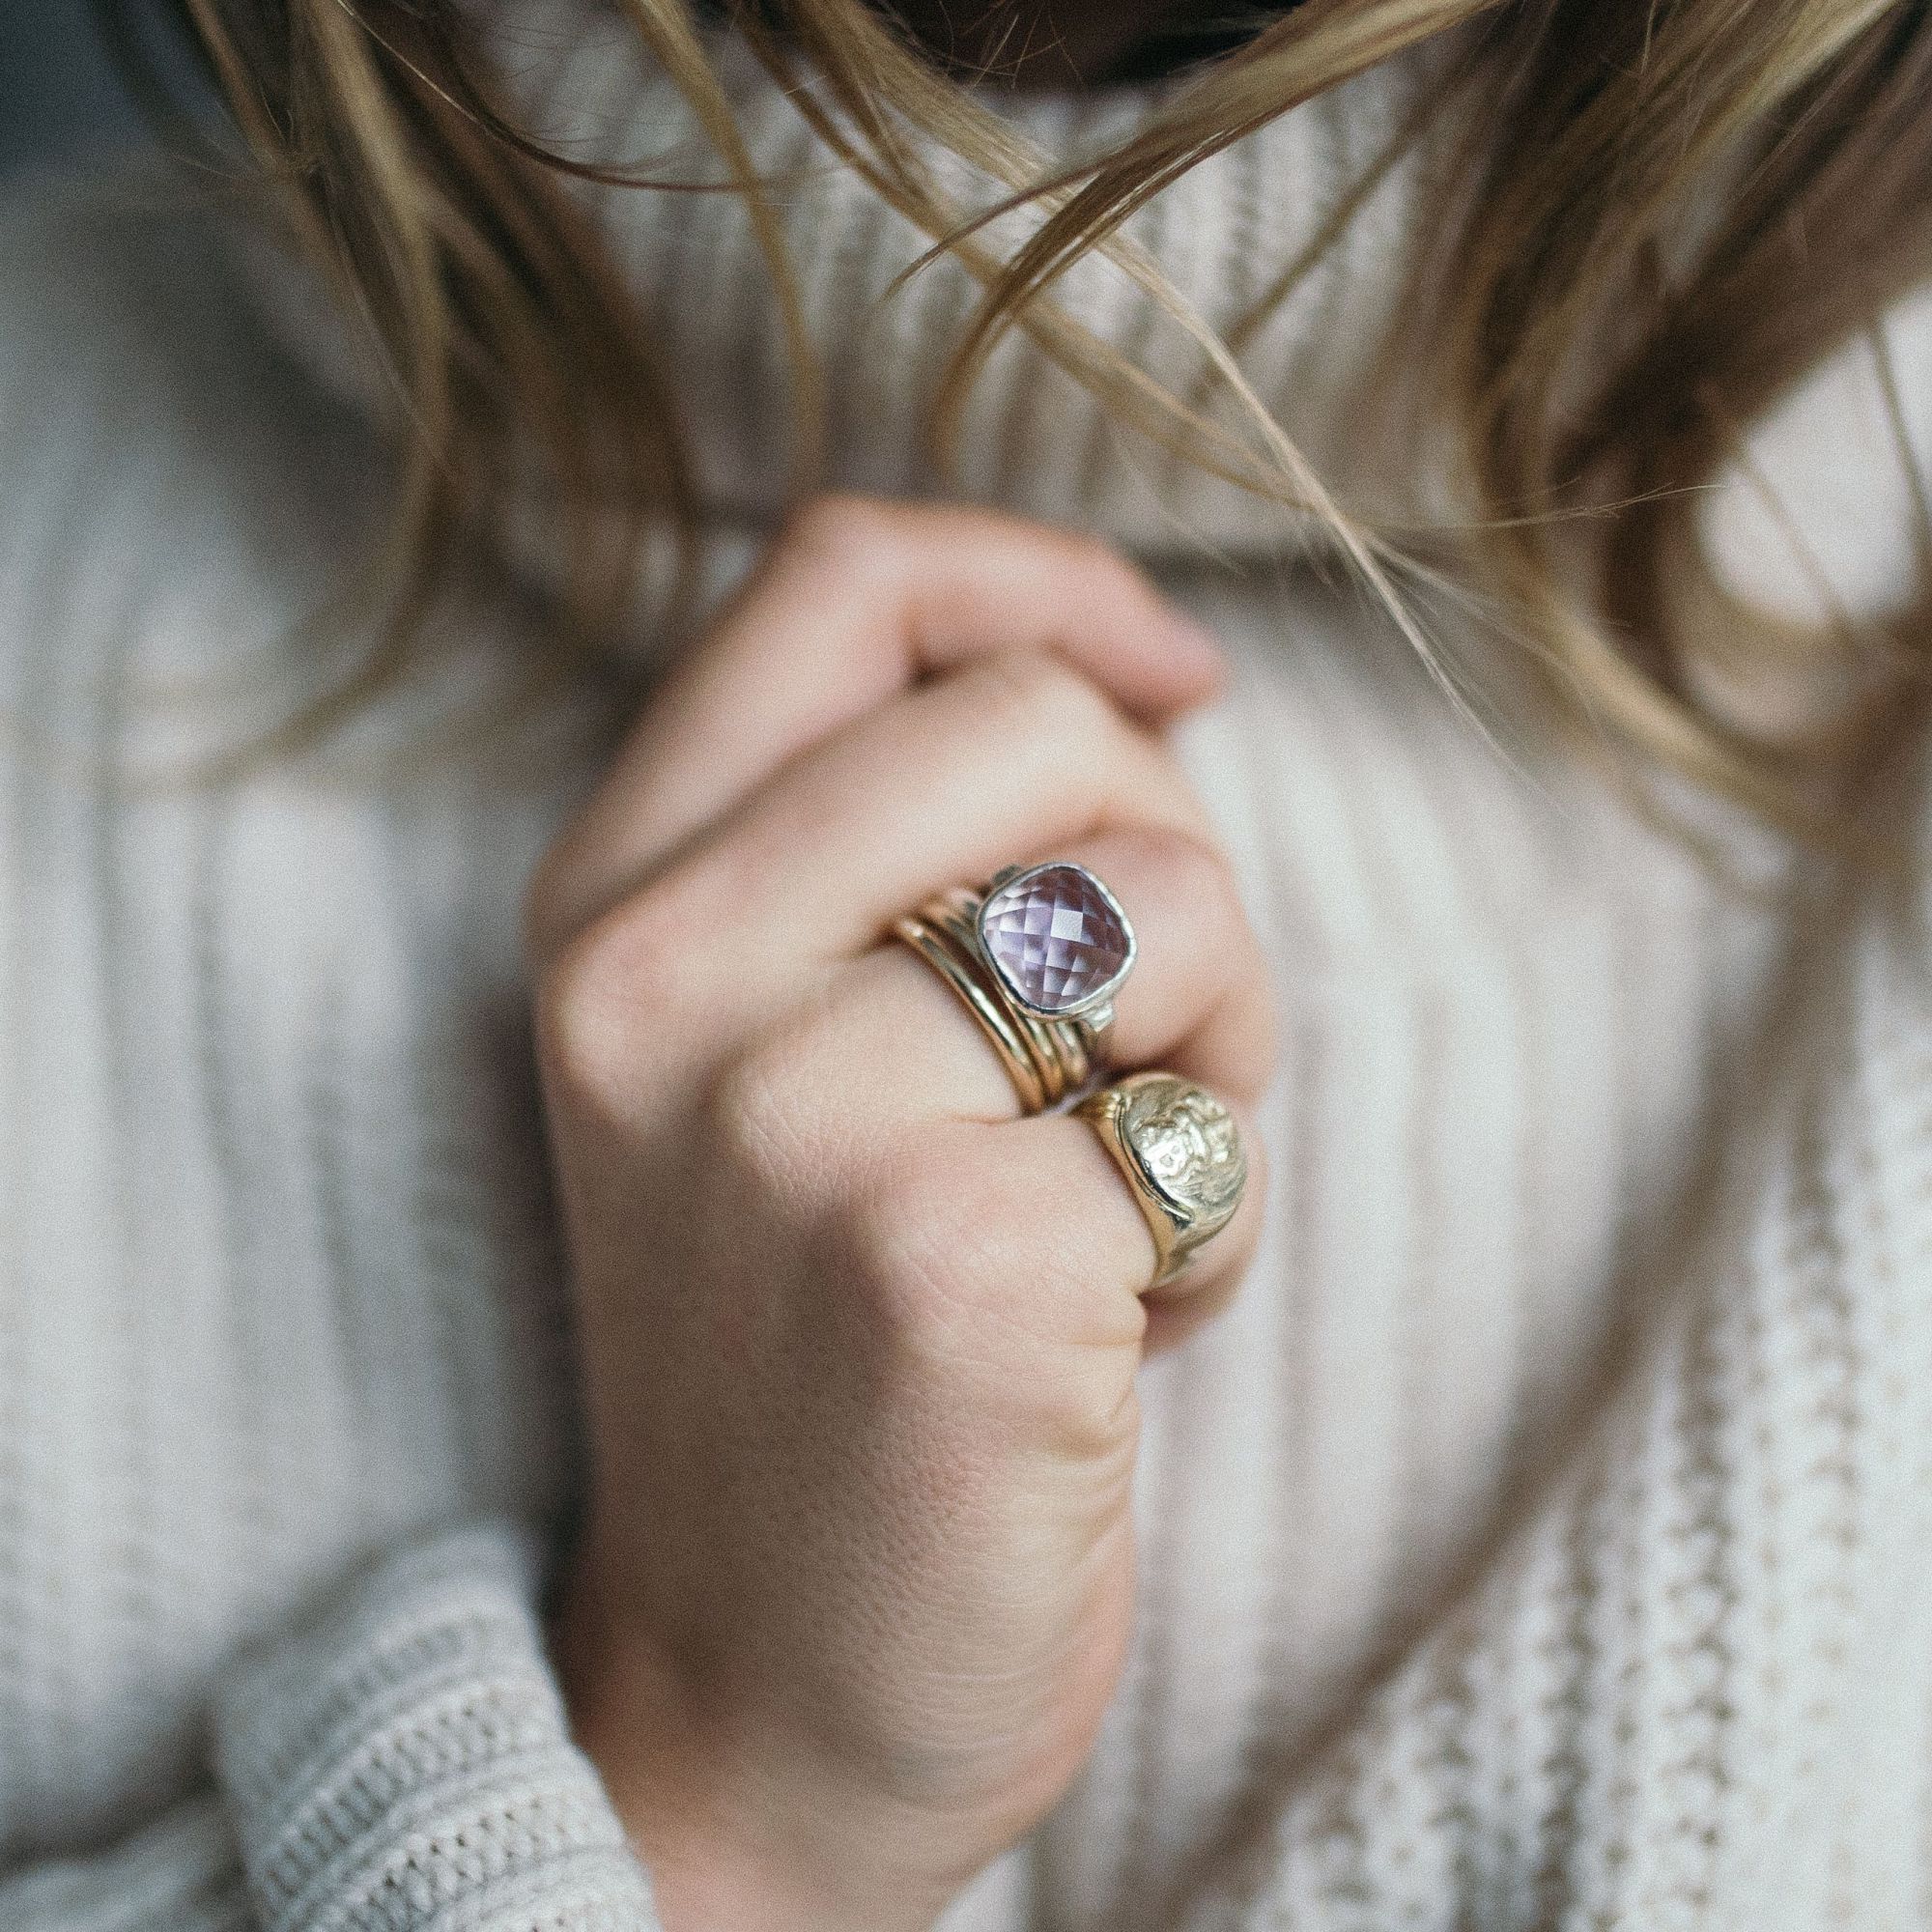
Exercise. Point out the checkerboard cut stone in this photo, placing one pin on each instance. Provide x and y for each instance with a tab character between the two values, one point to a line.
1058	941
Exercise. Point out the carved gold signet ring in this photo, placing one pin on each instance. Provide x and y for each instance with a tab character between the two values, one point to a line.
1181	1153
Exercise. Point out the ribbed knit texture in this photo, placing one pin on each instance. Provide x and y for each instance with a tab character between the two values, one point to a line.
1541	1540
406	1764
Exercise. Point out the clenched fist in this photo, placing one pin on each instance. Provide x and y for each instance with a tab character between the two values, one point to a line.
860	1343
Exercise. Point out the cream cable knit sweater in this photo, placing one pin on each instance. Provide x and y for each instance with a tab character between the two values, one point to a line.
1544	1541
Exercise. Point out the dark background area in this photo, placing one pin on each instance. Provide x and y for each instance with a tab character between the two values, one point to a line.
62	103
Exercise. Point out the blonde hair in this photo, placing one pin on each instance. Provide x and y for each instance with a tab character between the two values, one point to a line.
1595	366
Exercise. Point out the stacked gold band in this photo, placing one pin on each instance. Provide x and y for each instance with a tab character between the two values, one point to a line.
1045	1058
1036	959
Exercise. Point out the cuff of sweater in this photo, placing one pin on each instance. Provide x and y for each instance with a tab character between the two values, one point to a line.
405	1766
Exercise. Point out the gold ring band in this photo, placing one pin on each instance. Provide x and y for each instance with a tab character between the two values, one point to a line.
936	949
1181	1154
1060	1051
1036	958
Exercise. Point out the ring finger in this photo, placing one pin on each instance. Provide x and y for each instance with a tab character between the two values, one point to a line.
1067	1164
1043	1220
1196	1002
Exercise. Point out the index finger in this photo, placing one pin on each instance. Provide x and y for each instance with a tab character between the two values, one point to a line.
857	600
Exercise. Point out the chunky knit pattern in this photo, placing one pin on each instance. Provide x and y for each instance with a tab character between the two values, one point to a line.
403	1765
406	1764
1542	1540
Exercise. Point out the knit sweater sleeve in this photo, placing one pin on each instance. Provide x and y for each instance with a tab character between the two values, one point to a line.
402	1765
1704	1665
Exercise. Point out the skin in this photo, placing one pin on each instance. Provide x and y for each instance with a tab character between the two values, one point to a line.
860	1344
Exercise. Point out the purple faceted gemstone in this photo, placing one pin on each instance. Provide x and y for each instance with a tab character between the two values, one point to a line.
1059	941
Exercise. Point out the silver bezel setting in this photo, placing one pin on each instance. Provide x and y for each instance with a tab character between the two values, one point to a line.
1096	1010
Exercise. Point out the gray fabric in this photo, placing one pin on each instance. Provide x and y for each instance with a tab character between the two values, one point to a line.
402	1766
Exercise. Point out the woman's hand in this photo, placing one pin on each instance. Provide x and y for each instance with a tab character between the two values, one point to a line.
860	1343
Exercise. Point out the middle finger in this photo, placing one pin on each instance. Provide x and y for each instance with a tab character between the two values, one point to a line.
942	786
1197	1000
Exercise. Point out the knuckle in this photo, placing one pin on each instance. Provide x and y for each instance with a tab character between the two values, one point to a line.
546	903
1199	879
1210	895
1191	881
840	529
1248	994
917	1238
763	1107
581	1027
1096	566
1201	898
604	994
1035	694
950	1277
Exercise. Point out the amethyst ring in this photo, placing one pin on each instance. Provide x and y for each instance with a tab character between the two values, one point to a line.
1036	958
1058	942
